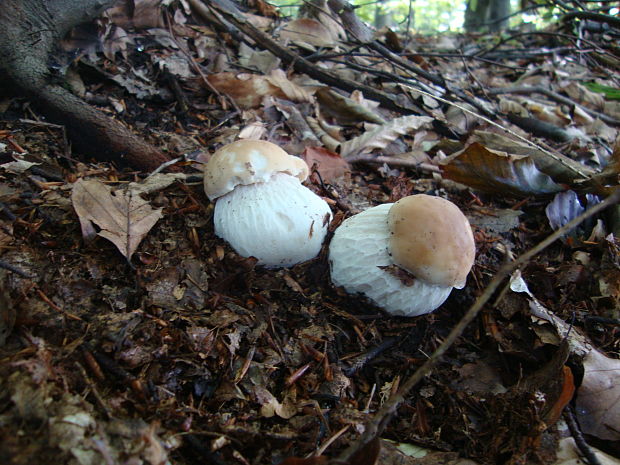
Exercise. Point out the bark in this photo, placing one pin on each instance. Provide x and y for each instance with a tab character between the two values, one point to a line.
31	31
486	15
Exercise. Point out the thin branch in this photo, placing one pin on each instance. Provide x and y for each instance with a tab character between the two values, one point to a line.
586	450
381	419
529	90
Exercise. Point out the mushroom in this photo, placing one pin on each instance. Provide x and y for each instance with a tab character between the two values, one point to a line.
262	209
406	256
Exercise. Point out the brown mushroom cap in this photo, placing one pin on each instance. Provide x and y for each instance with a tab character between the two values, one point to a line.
247	162
432	239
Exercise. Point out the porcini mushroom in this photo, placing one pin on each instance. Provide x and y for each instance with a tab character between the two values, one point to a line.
405	257
262	209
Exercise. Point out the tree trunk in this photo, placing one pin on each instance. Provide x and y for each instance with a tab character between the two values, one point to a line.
31	31
486	15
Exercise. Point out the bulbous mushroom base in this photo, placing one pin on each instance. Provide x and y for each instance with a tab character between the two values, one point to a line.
280	222
357	253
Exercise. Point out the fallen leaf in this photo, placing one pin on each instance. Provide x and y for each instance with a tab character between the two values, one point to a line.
292	91
497	172
598	397
122	216
569	454
247	90
330	165
307	31
345	109
381	136
270	406
18	166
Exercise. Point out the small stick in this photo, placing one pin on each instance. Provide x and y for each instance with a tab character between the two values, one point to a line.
49	302
588	453
14	269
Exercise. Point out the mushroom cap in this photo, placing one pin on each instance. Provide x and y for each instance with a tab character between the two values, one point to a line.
358	257
280	222
432	239
246	162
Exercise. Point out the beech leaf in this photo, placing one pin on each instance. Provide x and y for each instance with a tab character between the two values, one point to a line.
497	172
381	136
330	165
122	216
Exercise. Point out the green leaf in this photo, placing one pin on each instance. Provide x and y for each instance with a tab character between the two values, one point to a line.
611	93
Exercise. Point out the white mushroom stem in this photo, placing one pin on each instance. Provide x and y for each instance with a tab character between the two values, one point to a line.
357	252
280	222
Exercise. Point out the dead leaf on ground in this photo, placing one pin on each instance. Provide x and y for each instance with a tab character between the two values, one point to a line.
381	136
330	165
598	397
248	90
124	218
307	31
497	172
345	109
569	454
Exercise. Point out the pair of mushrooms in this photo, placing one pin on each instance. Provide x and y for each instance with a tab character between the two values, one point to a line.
406	256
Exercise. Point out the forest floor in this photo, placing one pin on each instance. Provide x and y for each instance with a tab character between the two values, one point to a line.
177	350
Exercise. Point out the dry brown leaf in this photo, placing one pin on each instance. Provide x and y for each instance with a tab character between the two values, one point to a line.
344	109
585	96
270	406
308	31
381	136
598	397
330	165
247	90
291	90
123	217
497	172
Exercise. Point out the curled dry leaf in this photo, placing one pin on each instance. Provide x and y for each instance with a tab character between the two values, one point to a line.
345	109
497	172
381	136
122	216
248	90
270	406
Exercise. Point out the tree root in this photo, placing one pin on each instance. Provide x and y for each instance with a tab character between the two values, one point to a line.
31	30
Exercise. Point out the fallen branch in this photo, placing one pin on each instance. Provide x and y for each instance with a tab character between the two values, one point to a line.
382	418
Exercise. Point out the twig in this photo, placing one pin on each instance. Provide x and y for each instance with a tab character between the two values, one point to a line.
612	21
14	269
392	161
377	424
589	455
168	163
529	90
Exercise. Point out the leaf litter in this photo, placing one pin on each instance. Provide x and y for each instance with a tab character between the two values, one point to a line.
194	354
